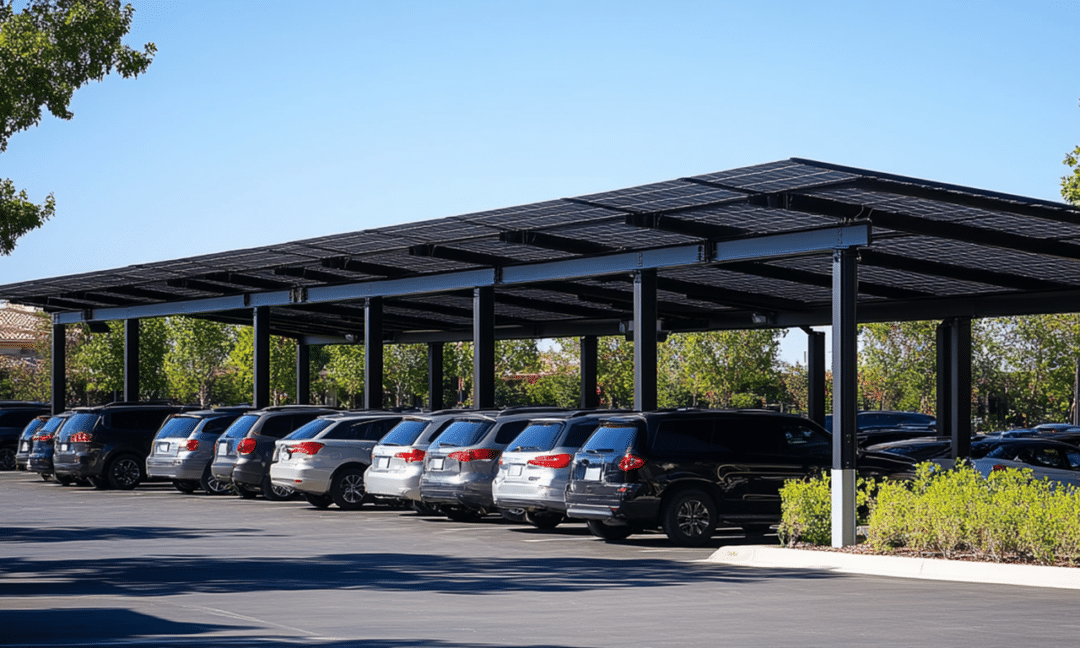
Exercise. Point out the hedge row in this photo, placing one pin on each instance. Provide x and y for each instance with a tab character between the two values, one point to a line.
1008	516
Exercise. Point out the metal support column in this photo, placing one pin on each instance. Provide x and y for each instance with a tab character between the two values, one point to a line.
261	397
960	386
435	375
131	360
373	353
588	367
484	347
815	376
845	388
303	374
645	313
59	368
944	379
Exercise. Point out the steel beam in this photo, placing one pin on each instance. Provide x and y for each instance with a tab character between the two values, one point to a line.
373	353
131	360
303	373
815	376
59	368
261	322
845	390
960	386
484	348
588	364
435	375
944	379
645	312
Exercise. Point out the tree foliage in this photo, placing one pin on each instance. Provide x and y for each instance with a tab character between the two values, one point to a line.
198	357
49	50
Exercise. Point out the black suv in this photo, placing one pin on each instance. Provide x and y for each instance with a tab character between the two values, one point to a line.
14	416
688	470
108	444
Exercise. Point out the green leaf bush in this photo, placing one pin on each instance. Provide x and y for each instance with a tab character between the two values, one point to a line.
1008	516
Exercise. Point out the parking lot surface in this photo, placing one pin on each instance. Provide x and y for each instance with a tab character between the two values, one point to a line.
154	567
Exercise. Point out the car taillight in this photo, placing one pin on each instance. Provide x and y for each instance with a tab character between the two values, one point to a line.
247	446
44	437
411	457
466	456
81	437
192	444
998	467
307	447
552	461
630	462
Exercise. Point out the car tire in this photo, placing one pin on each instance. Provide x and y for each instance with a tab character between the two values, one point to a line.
461	513
319	501
276	493
608	532
347	489
245	492
185	486
212	485
689	518
544	520
7	459
125	472
513	514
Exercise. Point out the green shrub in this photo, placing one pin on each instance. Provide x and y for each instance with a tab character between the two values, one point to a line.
806	507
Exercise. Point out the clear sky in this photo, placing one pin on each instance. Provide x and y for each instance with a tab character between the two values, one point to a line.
265	121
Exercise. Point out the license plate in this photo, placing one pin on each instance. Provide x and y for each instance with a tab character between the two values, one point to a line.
223	448
163	447
515	470
25	446
437	463
382	462
592	473
64	447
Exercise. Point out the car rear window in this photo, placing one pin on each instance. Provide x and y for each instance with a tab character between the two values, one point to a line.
241	426
311	429
611	439
538	437
81	423
405	433
54	423
177	427
216	424
462	433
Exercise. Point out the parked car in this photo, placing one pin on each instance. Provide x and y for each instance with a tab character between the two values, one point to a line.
41	452
886	419
14	417
397	461
325	460
184	448
108	444
243	453
26	442
535	468
460	464
1045	458
686	471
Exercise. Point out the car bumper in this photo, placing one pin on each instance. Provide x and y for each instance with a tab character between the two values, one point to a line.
472	494
533	497
175	468
80	465
249	473
397	484
306	479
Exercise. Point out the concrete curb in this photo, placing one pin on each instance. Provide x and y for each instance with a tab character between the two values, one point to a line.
900	567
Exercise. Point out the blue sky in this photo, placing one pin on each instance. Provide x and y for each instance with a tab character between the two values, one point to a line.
263	121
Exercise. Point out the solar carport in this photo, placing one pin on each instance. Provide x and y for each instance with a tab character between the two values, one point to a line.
795	243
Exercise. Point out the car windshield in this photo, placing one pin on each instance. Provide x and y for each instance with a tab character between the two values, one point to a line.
462	433
610	439
404	433
240	426
178	426
538	437
310	429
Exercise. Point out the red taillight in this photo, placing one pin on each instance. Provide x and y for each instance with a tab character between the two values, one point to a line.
44	437
465	456
192	444
630	462
247	446
306	447
998	467
411	457
82	437
552	461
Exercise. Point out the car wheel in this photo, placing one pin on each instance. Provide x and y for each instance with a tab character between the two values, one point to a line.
275	493
184	486
319	501
46	476
212	485
542	520
461	513
513	514
689	518
7	459
245	492
609	532
347	489
124	472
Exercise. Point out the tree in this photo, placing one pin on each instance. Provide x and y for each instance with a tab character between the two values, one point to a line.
282	365
47	51
198	354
